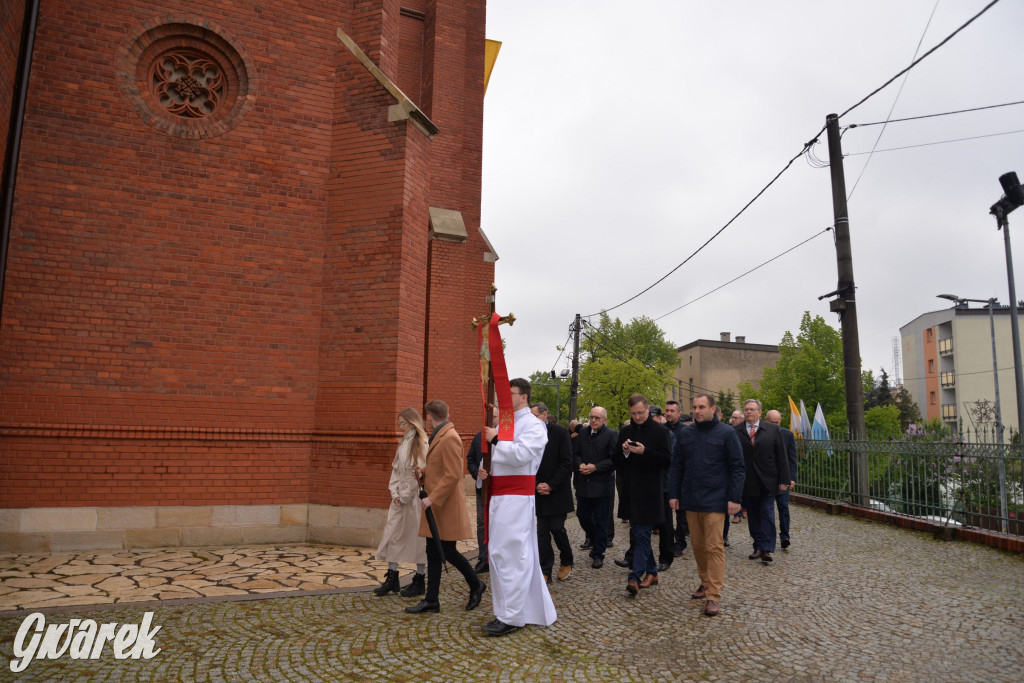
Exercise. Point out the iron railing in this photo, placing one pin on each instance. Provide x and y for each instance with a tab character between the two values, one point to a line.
957	480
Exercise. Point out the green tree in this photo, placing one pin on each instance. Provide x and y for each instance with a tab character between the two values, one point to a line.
882	421
810	367
880	394
909	412
727	402
618	360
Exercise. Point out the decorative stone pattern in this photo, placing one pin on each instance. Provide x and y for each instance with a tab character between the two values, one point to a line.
849	601
185	78
39	580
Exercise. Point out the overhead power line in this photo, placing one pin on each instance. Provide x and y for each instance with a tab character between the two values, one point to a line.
920	59
807	146
930	116
777	256
894	101
710	239
939	142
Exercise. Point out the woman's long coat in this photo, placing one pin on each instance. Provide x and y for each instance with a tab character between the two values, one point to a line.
400	541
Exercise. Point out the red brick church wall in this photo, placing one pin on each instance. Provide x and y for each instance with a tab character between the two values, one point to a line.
234	315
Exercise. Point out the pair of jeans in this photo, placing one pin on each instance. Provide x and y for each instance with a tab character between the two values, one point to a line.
643	556
782	502
593	516
454	558
548	527
761	520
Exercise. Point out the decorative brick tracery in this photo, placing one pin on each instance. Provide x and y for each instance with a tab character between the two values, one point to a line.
187	79
188	83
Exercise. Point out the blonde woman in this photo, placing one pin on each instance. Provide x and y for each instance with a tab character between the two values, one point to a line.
401	541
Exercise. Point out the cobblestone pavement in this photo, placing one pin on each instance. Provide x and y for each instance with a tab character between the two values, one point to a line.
850	600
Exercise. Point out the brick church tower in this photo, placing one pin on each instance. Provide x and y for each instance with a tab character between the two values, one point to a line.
243	236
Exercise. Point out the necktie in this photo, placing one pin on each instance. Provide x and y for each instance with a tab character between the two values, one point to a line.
752	430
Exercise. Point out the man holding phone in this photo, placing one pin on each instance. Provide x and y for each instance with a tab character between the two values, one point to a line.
643	452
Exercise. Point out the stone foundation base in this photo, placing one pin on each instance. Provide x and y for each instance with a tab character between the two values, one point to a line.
97	528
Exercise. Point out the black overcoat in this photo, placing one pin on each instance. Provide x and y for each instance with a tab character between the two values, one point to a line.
555	470
596	449
766	461
645	474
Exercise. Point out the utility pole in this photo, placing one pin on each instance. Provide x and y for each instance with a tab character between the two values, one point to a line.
846	306
575	385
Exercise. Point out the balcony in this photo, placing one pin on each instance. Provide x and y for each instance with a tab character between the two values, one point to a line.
947	380
949	412
946	346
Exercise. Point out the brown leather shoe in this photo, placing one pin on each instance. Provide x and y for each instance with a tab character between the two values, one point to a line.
711	608
649	580
754	555
564	571
632	587
700	593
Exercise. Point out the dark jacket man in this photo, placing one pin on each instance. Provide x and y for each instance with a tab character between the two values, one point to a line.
766	460
594	448
789	441
707	467
555	470
767	465
645	474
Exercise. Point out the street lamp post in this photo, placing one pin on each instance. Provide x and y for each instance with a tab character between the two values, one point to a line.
992	303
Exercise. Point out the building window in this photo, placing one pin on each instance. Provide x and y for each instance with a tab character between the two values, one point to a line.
691	360
931	398
929	334
931	365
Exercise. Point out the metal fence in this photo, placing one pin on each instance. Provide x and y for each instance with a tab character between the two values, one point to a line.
958	480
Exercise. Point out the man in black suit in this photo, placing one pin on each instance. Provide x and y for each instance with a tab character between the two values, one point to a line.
474	458
782	499
767	473
643	453
554	497
592	464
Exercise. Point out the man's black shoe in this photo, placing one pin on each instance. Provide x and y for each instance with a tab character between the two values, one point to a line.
499	628
623	563
785	543
424	606
678	550
663	566
475	595
586	545
597	564
481	567
766	557
725	541
611	543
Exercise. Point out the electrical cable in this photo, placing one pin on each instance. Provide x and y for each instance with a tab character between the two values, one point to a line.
710	239
894	101
566	344
777	256
930	116
940	142
920	59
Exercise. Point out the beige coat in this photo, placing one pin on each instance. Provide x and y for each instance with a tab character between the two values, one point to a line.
400	541
442	480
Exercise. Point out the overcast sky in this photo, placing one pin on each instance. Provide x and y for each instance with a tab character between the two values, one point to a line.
618	137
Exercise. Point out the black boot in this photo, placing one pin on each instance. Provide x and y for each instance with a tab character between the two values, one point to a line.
417	587
390	584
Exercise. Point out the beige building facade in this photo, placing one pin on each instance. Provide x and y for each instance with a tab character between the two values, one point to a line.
947	363
707	366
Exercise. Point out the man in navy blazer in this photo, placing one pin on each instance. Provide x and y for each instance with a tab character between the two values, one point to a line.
767	469
782	499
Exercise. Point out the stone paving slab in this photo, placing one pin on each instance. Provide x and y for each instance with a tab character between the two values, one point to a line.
849	601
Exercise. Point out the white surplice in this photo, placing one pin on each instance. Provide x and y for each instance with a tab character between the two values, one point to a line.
519	594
